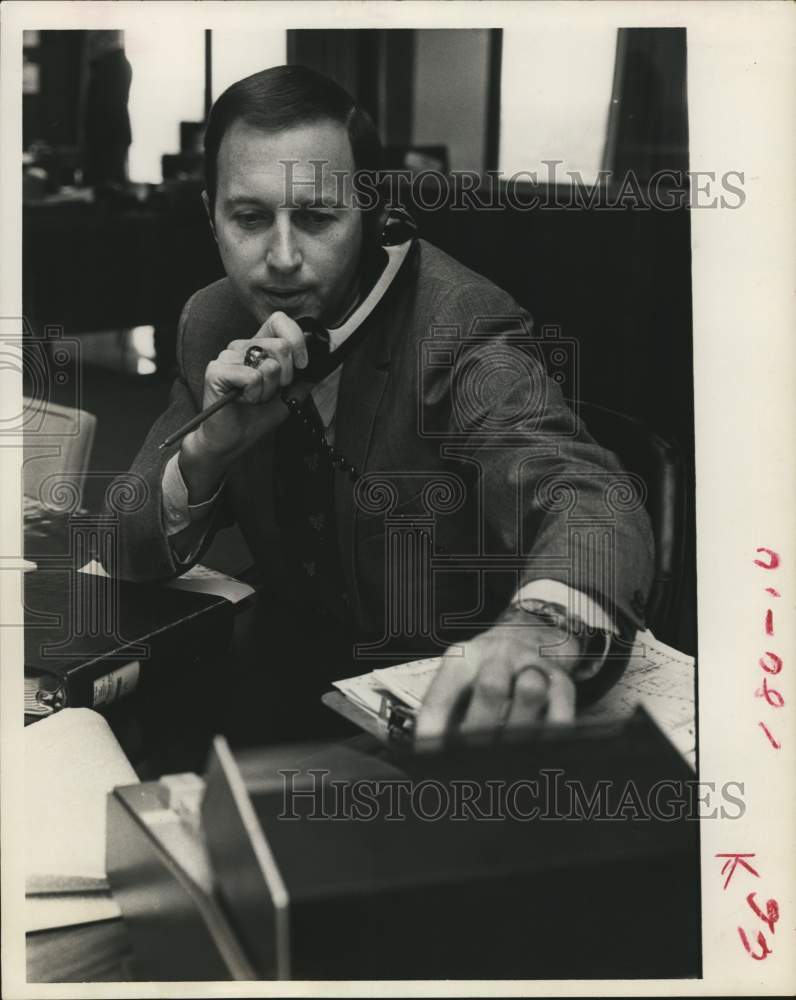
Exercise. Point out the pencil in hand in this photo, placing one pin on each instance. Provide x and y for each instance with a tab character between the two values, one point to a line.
254	355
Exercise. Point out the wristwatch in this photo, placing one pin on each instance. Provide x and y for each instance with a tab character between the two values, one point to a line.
596	641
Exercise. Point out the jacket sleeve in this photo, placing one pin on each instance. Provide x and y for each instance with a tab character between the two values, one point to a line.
135	499
550	494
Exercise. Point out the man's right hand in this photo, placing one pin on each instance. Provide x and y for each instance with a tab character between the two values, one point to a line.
208	451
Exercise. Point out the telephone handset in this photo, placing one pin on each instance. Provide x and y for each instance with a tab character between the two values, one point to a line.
327	349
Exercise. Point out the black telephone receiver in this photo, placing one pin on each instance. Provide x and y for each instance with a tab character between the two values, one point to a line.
322	361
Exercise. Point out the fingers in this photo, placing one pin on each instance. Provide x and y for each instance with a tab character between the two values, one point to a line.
541	693
278	327
492	691
483	693
275	350
530	697
561	698
259	384
444	700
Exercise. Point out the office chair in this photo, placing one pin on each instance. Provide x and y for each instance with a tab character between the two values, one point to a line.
660	464
57	448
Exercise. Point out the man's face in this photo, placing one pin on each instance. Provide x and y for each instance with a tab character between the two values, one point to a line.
289	236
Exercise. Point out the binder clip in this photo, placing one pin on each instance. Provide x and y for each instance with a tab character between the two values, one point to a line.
400	720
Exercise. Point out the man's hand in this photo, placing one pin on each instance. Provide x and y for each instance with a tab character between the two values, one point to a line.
208	451
515	674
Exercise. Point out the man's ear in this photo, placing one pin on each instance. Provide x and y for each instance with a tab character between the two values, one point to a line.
209	210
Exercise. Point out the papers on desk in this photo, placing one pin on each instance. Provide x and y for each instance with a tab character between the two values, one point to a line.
660	678
663	680
199	579
408	682
204	580
72	761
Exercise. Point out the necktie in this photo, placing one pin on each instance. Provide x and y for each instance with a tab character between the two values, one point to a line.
305	511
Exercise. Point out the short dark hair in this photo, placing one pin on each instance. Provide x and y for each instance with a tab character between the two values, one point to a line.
283	97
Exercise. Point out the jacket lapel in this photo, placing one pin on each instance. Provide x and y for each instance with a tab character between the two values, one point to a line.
362	384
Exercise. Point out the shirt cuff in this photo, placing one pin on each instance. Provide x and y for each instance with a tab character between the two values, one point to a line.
577	604
177	512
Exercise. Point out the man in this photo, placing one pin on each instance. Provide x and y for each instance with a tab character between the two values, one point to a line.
477	419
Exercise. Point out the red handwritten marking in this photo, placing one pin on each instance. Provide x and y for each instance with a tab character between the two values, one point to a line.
769	565
774	698
774	593
769	622
734	860
766	951
777	664
771	916
771	739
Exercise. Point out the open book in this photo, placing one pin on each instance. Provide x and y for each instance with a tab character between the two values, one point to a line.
660	678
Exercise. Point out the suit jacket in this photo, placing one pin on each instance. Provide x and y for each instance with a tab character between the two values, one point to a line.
461	439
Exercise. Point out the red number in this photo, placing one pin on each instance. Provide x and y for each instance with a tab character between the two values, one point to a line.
771	916
774	698
774	559
771	739
765	950
777	666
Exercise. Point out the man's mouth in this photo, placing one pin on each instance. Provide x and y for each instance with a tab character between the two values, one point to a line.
285	296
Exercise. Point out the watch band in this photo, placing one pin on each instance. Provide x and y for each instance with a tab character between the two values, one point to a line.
556	615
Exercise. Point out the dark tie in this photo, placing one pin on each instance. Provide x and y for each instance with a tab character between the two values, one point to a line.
305	512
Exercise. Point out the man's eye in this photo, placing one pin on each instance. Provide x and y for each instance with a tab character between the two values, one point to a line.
248	220
313	219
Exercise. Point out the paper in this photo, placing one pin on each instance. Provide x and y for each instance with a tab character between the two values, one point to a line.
204	580
72	760
409	681
663	680
200	579
365	691
47	911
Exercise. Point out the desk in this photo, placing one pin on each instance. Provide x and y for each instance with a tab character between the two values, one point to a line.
108	949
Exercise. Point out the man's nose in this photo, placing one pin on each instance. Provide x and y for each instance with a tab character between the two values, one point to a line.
283	252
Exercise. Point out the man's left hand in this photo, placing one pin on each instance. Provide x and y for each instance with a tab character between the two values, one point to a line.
516	674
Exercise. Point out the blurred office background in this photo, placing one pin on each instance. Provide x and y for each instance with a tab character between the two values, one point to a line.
115	238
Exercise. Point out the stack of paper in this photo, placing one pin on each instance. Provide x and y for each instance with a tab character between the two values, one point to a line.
72	761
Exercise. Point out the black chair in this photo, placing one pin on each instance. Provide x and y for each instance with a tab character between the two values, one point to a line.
659	463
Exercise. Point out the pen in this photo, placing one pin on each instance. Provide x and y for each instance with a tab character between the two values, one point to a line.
254	355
